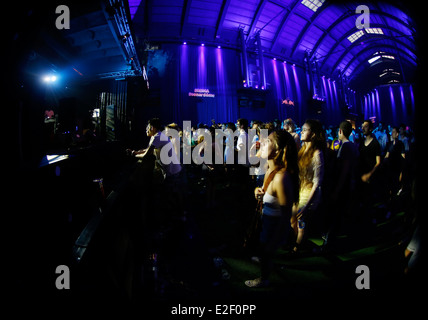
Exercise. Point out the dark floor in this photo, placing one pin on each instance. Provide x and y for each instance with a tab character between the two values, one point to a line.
150	254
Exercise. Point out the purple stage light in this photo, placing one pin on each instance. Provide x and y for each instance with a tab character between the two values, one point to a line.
288	91
378	104
391	94
365	107
324	86
412	98
277	87
184	76
403	102
335	94
202	68
296	81
330	95
224	112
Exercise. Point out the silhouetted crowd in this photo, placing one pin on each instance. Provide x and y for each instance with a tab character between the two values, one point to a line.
326	180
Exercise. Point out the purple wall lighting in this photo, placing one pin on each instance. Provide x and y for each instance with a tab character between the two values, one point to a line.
393	109
365	107
202	68
336	101
288	91
299	92
183	77
388	103
403	102
324	85
278	89
219	60
374	109
330	100
210	67
223	112
412	98
378	104
369	106
268	28
296	81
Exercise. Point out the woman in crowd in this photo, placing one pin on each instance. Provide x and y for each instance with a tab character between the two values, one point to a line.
279	192
311	168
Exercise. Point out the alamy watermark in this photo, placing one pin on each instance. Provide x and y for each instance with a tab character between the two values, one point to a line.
203	152
63	20
364	12
363	280
63	280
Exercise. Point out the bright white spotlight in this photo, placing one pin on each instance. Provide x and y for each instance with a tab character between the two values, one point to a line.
50	78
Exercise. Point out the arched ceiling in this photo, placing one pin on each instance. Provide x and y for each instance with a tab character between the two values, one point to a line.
289	29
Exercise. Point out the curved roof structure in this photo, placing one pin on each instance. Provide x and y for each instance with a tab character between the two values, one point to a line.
320	30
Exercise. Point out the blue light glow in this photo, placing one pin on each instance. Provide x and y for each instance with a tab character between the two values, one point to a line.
49	78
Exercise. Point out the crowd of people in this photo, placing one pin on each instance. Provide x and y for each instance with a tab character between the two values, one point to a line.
337	172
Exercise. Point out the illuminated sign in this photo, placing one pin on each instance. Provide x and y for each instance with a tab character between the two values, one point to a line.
288	102
201	93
